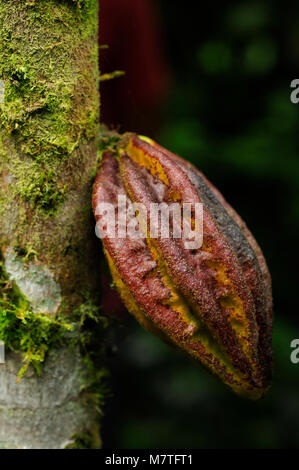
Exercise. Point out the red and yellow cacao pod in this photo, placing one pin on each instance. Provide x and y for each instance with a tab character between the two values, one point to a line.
215	302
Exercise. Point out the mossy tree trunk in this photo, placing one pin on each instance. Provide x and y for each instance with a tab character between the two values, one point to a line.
48	271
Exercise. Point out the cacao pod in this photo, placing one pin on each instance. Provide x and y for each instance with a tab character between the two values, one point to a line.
213	302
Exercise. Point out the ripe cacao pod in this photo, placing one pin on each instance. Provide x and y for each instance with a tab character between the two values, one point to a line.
214	302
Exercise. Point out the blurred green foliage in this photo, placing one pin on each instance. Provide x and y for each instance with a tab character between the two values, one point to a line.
229	113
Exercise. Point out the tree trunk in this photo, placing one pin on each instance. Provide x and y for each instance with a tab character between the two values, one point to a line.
48	271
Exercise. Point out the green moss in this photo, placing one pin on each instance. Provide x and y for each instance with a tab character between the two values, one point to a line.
110	76
87	311
26	254
34	334
50	115
108	140
94	329
49	62
84	440
24	331
50	104
42	192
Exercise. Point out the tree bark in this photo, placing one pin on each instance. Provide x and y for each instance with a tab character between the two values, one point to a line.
49	274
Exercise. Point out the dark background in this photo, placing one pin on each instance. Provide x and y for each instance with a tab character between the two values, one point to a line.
211	83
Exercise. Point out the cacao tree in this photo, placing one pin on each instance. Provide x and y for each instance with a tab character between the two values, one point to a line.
49	273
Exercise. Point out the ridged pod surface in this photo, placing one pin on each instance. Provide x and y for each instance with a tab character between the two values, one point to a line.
215	302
